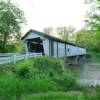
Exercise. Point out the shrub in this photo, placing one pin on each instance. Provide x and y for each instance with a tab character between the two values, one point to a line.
20	46
5	68
40	74
40	85
23	69
10	48
45	64
47	68
67	80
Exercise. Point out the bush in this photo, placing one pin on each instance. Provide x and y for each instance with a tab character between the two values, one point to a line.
12	88
36	86
23	69
10	48
13	47
6	68
45	64
52	68
20	46
67	80
40	74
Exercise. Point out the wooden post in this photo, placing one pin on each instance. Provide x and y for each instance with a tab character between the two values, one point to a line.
26	56
26	47
14	59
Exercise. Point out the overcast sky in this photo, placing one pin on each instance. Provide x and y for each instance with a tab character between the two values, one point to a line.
45	13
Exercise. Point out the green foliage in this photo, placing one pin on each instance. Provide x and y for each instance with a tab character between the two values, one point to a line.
10	48
41	85
88	39
12	87
43	68
66	80
6	68
20	46
93	16
1	46
9	87
62	96
98	88
40	75
11	18
55	96
46	64
23	69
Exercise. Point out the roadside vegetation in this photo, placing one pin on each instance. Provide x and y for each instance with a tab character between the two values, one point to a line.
42	78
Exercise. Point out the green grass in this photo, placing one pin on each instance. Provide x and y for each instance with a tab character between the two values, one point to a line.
94	55
54	96
61	96
12	86
41	78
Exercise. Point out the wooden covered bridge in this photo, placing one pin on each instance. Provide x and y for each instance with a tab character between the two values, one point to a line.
38	42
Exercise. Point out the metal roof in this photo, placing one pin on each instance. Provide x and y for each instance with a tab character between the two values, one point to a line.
49	37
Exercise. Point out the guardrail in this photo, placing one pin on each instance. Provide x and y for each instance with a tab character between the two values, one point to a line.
8	54
14	58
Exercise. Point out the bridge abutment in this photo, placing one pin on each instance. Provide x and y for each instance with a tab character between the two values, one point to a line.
76	60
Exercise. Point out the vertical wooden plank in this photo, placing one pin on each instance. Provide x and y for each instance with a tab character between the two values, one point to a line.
57	49
52	48
65	50
26	47
49	48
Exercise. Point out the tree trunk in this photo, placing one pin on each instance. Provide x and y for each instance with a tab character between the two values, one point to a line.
4	43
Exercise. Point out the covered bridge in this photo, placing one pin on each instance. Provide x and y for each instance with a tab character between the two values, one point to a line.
38	42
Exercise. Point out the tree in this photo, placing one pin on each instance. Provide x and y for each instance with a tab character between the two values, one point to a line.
93	26
11	19
48	30
88	39
64	31
93	16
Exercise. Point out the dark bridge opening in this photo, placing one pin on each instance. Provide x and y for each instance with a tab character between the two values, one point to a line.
35	45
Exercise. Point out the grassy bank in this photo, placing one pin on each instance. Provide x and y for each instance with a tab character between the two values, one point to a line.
44	78
62	96
94	56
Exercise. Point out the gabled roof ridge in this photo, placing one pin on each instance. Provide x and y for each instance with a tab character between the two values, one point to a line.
50	37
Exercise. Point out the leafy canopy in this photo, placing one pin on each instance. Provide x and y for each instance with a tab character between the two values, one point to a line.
88	39
93	16
11	19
